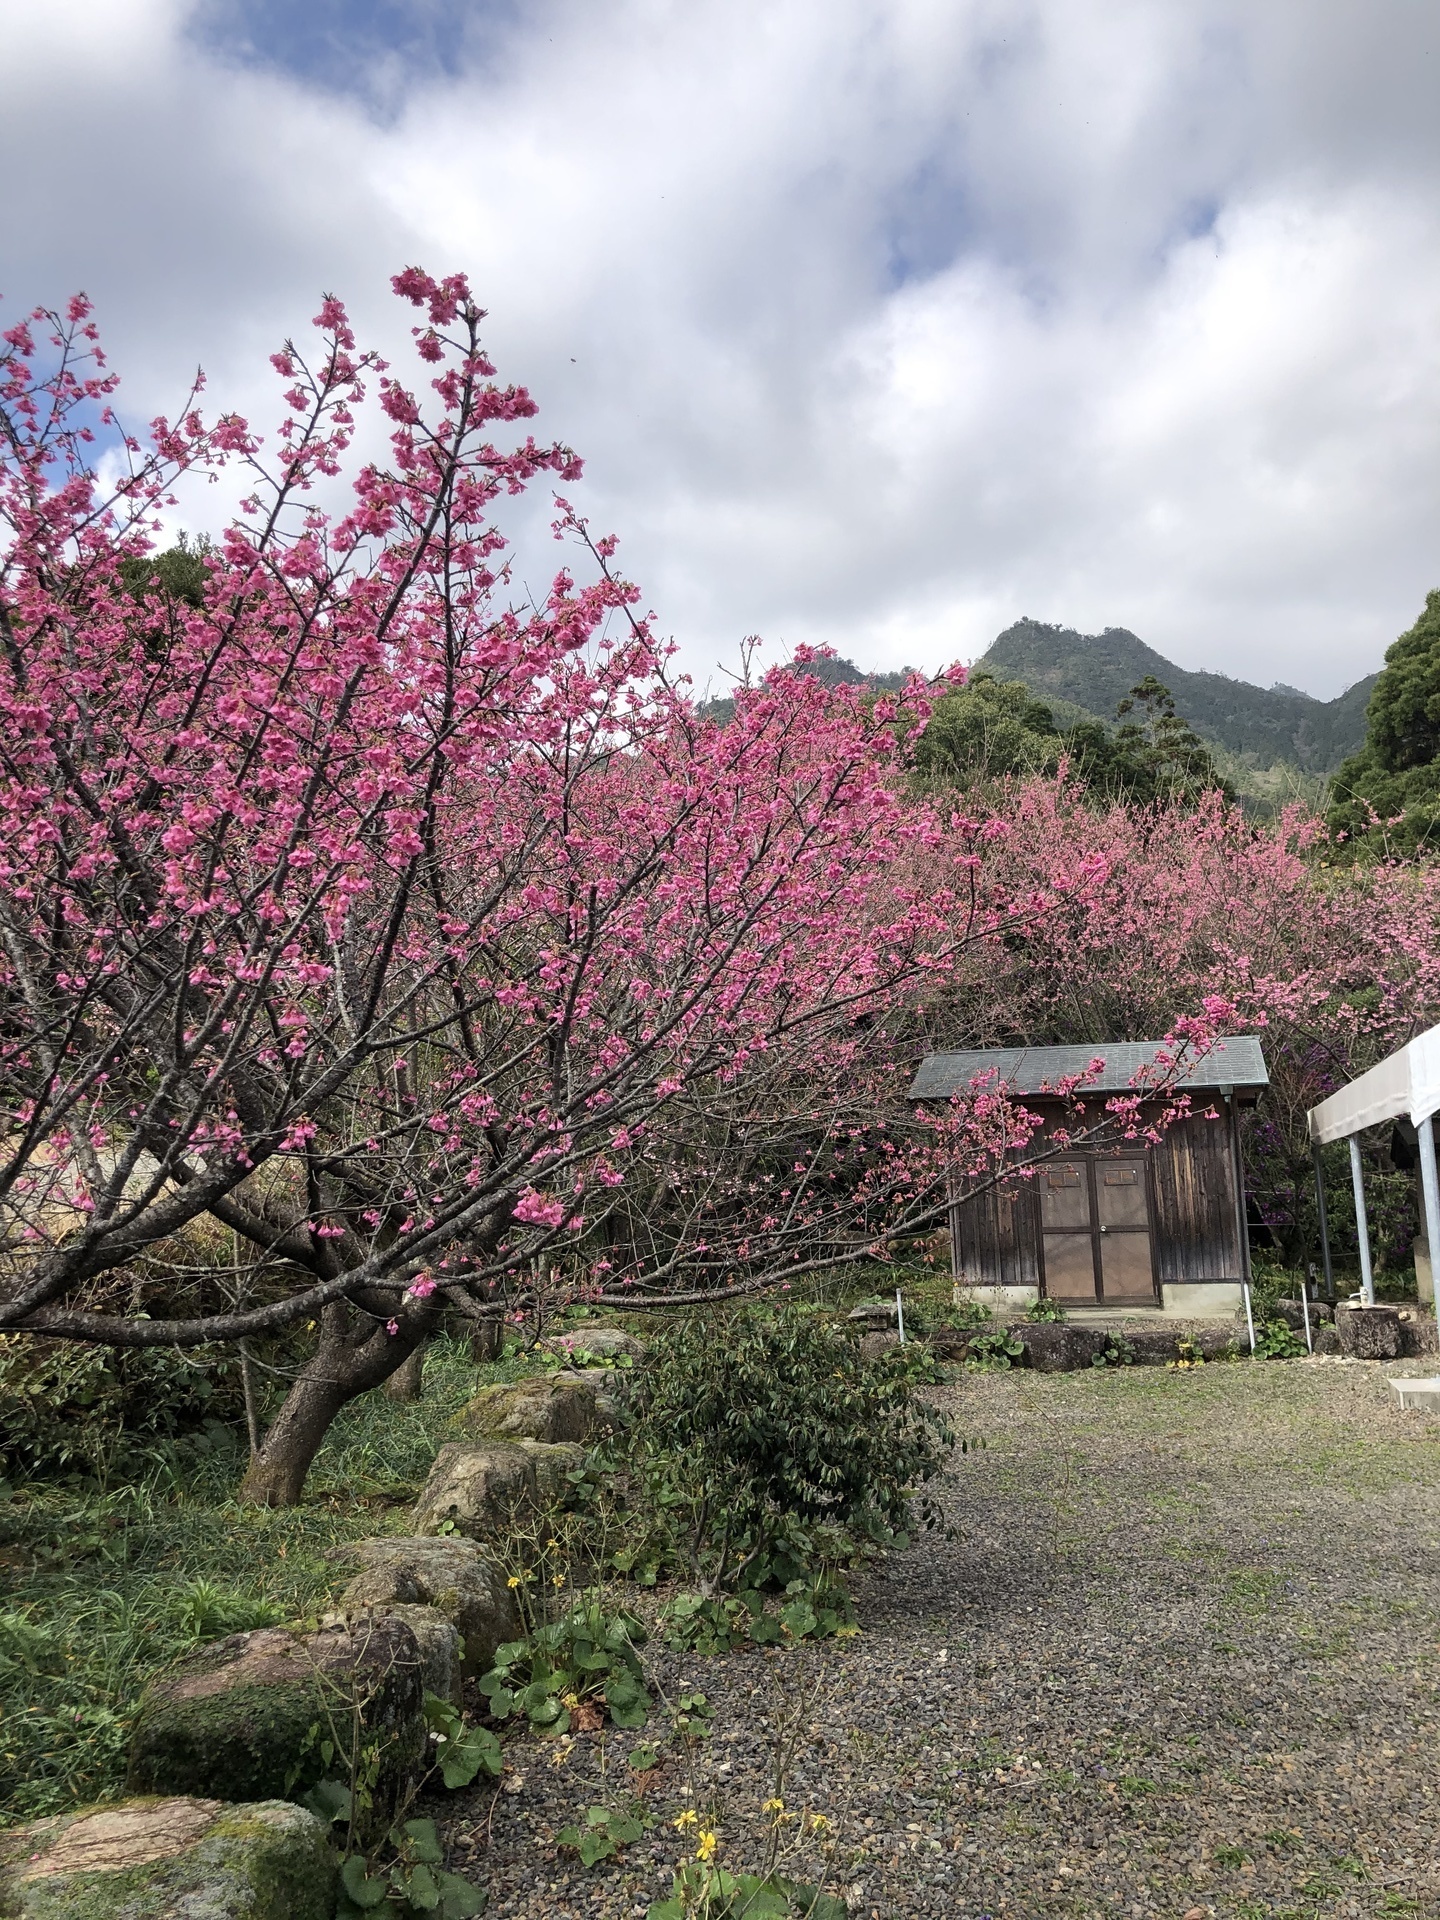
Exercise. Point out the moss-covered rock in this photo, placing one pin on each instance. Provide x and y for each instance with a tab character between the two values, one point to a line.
591	1346
170	1859
244	1719
552	1407
453	1576
478	1489
437	1637
552	1466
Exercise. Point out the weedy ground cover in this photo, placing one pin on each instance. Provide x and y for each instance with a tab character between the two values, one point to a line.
100	1586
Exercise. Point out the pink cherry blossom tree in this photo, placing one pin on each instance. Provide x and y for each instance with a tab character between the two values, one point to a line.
414	934
1334	966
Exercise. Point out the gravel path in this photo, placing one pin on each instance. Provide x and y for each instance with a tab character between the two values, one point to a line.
1179	1660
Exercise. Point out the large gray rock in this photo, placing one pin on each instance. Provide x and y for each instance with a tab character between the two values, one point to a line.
585	1346
875	1313
550	1407
1059	1346
238	1719
1369	1333
484	1489
170	1859
481	1489
452	1577
436	1636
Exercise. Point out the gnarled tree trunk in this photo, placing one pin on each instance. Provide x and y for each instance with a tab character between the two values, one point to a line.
354	1354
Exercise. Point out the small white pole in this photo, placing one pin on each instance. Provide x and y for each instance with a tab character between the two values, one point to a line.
1362	1225
1305	1309
1430	1189
900	1314
1249	1316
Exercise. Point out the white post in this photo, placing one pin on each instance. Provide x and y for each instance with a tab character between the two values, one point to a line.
1249	1316
900	1314
1362	1225
1430	1189
1305	1309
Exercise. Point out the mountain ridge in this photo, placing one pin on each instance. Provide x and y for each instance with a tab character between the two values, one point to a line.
1262	726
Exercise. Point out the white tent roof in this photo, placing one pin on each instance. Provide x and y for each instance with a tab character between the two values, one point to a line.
1407	1084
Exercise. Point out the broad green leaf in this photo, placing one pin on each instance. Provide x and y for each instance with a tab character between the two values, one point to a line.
424	1841
623	1829
461	1759
360	1885
329	1800
595	1846
460	1899
423	1889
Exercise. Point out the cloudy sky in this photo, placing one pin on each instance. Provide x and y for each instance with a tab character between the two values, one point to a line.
879	322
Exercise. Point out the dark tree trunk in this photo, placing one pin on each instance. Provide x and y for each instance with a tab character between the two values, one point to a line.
408	1380
354	1354
486	1339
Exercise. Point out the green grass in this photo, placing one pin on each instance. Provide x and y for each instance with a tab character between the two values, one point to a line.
100	1588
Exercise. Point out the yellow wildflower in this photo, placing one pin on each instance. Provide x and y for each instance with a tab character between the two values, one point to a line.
818	1823
773	1805
687	1819
705	1846
557	1579
513	1581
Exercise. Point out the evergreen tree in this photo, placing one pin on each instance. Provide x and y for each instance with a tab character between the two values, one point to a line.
1397	771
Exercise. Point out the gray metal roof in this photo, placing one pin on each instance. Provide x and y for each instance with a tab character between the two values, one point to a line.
1233	1062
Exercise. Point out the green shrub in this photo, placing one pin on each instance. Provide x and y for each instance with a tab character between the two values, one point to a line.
1277	1341
1045	1312
784	1448
1117	1352
66	1406
585	1655
994	1352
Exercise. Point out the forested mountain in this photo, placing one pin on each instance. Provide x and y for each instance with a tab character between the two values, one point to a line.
1259	725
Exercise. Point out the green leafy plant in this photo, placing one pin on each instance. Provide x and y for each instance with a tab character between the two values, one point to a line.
703	1891
461	1752
766	1430
587	1654
1117	1352
1277	1341
969	1313
1045	1312
994	1352
604	1833
412	1882
28	1648
811	1609
206	1612
400	1869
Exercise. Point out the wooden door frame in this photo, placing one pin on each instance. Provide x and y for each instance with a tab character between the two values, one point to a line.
1096	1257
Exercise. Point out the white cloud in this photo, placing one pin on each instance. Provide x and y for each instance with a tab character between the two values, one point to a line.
879	322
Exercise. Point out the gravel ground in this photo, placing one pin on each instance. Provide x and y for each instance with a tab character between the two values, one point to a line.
1180	1659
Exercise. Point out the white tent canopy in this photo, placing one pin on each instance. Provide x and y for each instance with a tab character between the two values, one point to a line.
1406	1086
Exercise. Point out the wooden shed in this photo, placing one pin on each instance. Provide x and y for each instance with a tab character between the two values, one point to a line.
1125	1225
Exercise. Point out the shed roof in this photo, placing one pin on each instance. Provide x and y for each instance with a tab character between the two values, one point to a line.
1235	1061
1407	1083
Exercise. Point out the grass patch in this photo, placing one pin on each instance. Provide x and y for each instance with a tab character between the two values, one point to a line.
101	1588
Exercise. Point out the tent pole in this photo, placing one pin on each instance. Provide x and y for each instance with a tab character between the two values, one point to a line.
1324	1225
1362	1224
1430	1188
1241	1219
